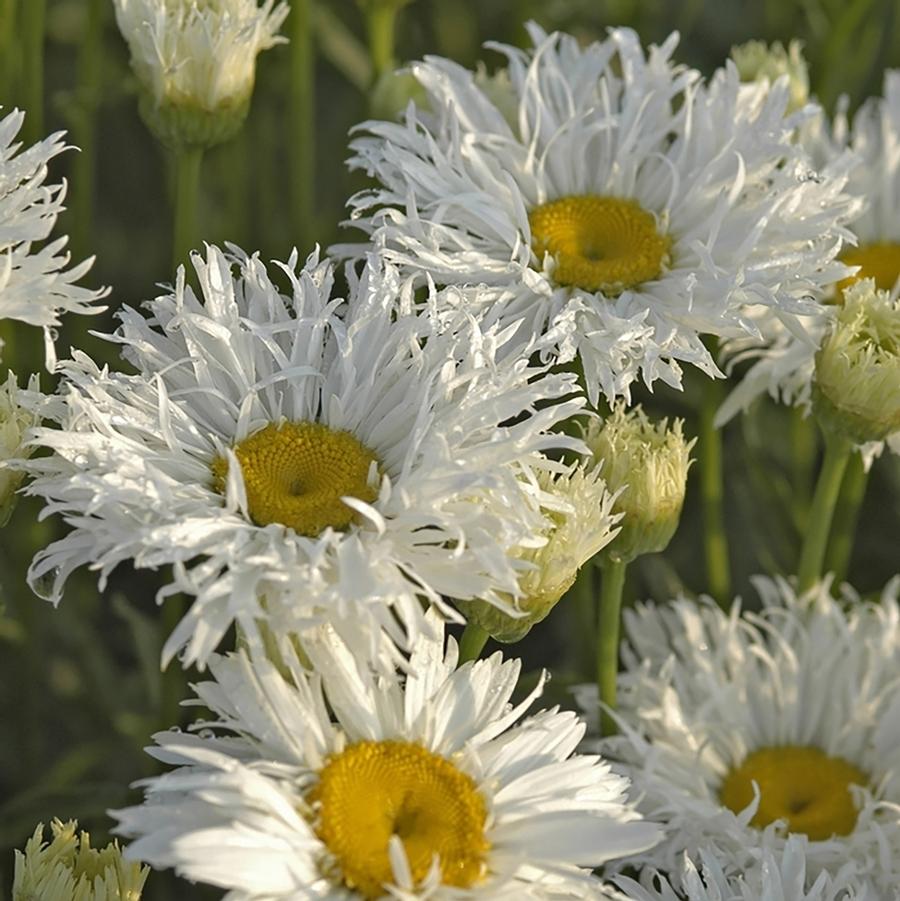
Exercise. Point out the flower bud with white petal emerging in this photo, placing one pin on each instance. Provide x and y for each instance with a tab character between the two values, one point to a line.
580	523
69	869
856	388
756	60
14	421
195	61
647	463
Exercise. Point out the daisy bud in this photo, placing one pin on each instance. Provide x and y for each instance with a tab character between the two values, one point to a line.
756	61
14	421
580	522
69	869
195	61
647	463
856	391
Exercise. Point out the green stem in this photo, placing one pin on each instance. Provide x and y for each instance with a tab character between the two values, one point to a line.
87	98
302	123
853	490
32	85
837	454
709	453
803	453
8	55
380	21
472	642
608	625
583	595
187	193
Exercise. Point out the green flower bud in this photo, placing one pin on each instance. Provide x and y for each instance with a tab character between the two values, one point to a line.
14	421
856	388
69	869
580	522
647	463
195	61
756	61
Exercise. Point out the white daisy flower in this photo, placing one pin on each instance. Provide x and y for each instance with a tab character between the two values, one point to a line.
196	62
624	212
784	359
295	465
773	876
788	717
425	790
34	285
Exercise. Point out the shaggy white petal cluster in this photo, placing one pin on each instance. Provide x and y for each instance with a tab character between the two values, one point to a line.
773	876
783	355
701	690
456	436
741	219
199	52
35	286
267	812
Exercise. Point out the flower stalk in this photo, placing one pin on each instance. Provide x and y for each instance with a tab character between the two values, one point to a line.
837	455
712	479
608	628
187	195
472	642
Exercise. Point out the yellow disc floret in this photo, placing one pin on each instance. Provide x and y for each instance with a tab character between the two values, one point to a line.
798	784
877	261
296	474
373	790
600	243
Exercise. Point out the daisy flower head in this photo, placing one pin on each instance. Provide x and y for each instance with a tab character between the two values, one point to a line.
612	204
433	787
784	358
35	286
195	61
772	876
756	60
296	457
741	730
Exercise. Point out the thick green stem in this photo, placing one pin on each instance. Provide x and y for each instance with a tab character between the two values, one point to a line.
32	84
302	123
583	595
803	454
846	517
87	98
837	454
709	453
380	21
8	54
608	626
187	195
472	642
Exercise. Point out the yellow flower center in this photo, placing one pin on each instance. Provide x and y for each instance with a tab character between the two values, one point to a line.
374	790
603	244
801	785
296	474
878	261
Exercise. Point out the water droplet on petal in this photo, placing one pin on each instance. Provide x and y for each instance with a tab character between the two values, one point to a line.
43	585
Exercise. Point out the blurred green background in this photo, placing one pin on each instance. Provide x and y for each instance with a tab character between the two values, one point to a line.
80	688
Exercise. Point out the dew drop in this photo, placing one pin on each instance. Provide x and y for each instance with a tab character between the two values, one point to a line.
43	585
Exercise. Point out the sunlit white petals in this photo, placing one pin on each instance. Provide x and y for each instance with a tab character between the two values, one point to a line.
35	286
772	876
198	53
454	430
714	166
235	812
703	689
